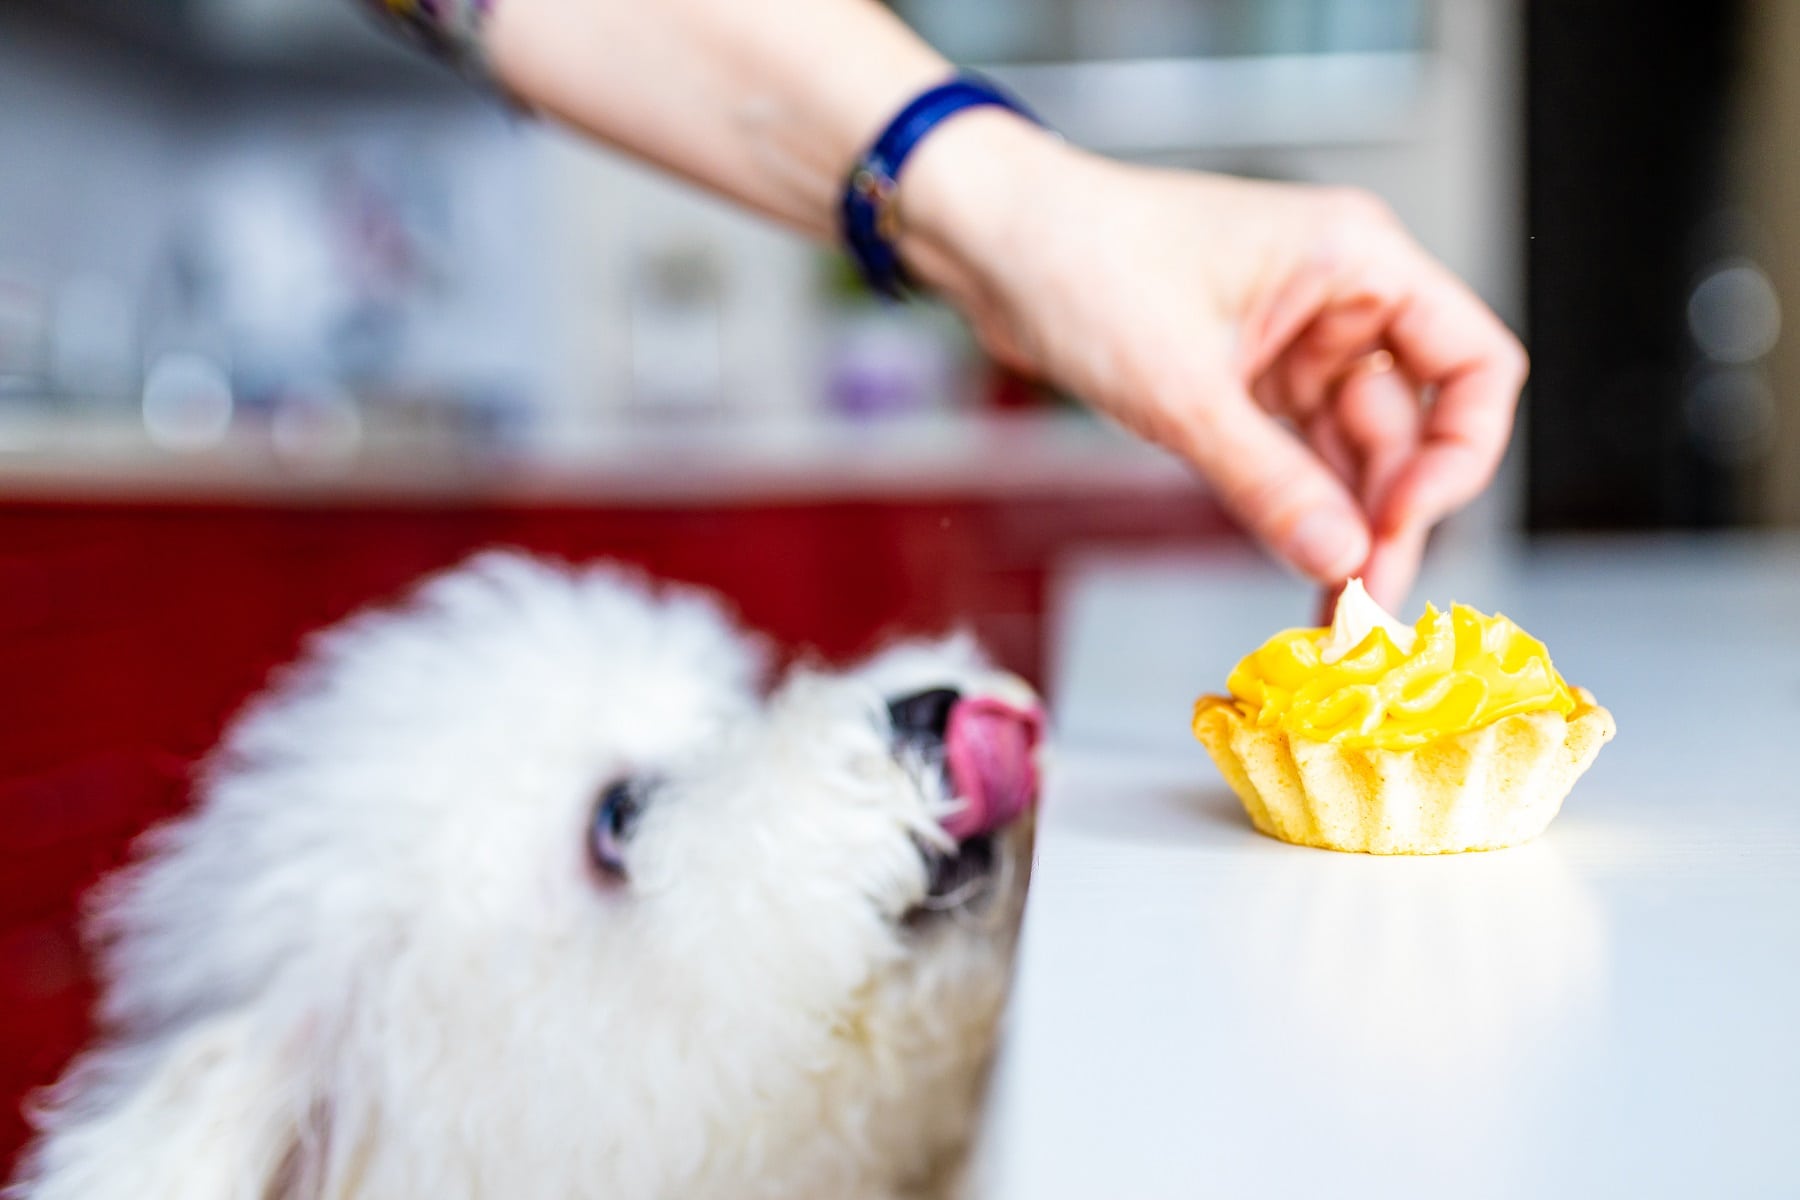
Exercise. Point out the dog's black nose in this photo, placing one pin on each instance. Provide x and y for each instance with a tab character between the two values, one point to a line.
923	714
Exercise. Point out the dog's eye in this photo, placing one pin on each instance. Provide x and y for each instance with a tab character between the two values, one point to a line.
615	816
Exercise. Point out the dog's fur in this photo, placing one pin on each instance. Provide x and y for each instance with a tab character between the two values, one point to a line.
376	962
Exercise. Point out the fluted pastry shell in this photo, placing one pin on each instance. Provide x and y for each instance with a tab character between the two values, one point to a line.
1481	789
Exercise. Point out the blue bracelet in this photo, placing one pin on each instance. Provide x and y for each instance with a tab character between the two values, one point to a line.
870	224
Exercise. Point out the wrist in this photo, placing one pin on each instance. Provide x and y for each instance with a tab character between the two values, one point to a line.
963	194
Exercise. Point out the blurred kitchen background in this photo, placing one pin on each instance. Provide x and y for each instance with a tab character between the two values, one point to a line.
289	316
258	230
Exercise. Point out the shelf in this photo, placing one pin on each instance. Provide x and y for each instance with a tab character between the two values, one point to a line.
777	461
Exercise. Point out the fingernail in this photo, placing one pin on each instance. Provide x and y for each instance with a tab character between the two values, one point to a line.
1327	543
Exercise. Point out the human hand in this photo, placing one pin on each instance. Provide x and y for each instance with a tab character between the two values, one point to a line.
1340	389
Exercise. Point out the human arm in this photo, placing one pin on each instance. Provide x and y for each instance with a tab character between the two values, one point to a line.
1238	324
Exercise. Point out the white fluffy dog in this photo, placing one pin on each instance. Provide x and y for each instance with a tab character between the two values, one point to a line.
523	890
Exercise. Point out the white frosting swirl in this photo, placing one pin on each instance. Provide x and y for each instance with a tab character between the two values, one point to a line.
1356	614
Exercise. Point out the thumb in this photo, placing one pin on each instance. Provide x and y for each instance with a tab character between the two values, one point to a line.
1275	486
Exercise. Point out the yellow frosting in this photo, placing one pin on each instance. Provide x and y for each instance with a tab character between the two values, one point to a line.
1464	670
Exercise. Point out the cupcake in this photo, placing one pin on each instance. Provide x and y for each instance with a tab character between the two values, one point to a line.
1456	734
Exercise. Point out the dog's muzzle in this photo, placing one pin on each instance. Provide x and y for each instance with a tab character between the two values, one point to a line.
989	751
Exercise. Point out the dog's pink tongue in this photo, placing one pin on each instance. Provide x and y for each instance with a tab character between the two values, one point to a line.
990	747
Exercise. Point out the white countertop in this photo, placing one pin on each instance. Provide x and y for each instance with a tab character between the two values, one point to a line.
1611	1010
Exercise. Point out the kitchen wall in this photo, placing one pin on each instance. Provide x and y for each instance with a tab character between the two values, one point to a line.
151	208
669	304
394	244
73	254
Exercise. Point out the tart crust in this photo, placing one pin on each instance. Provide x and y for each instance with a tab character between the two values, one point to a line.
1481	789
